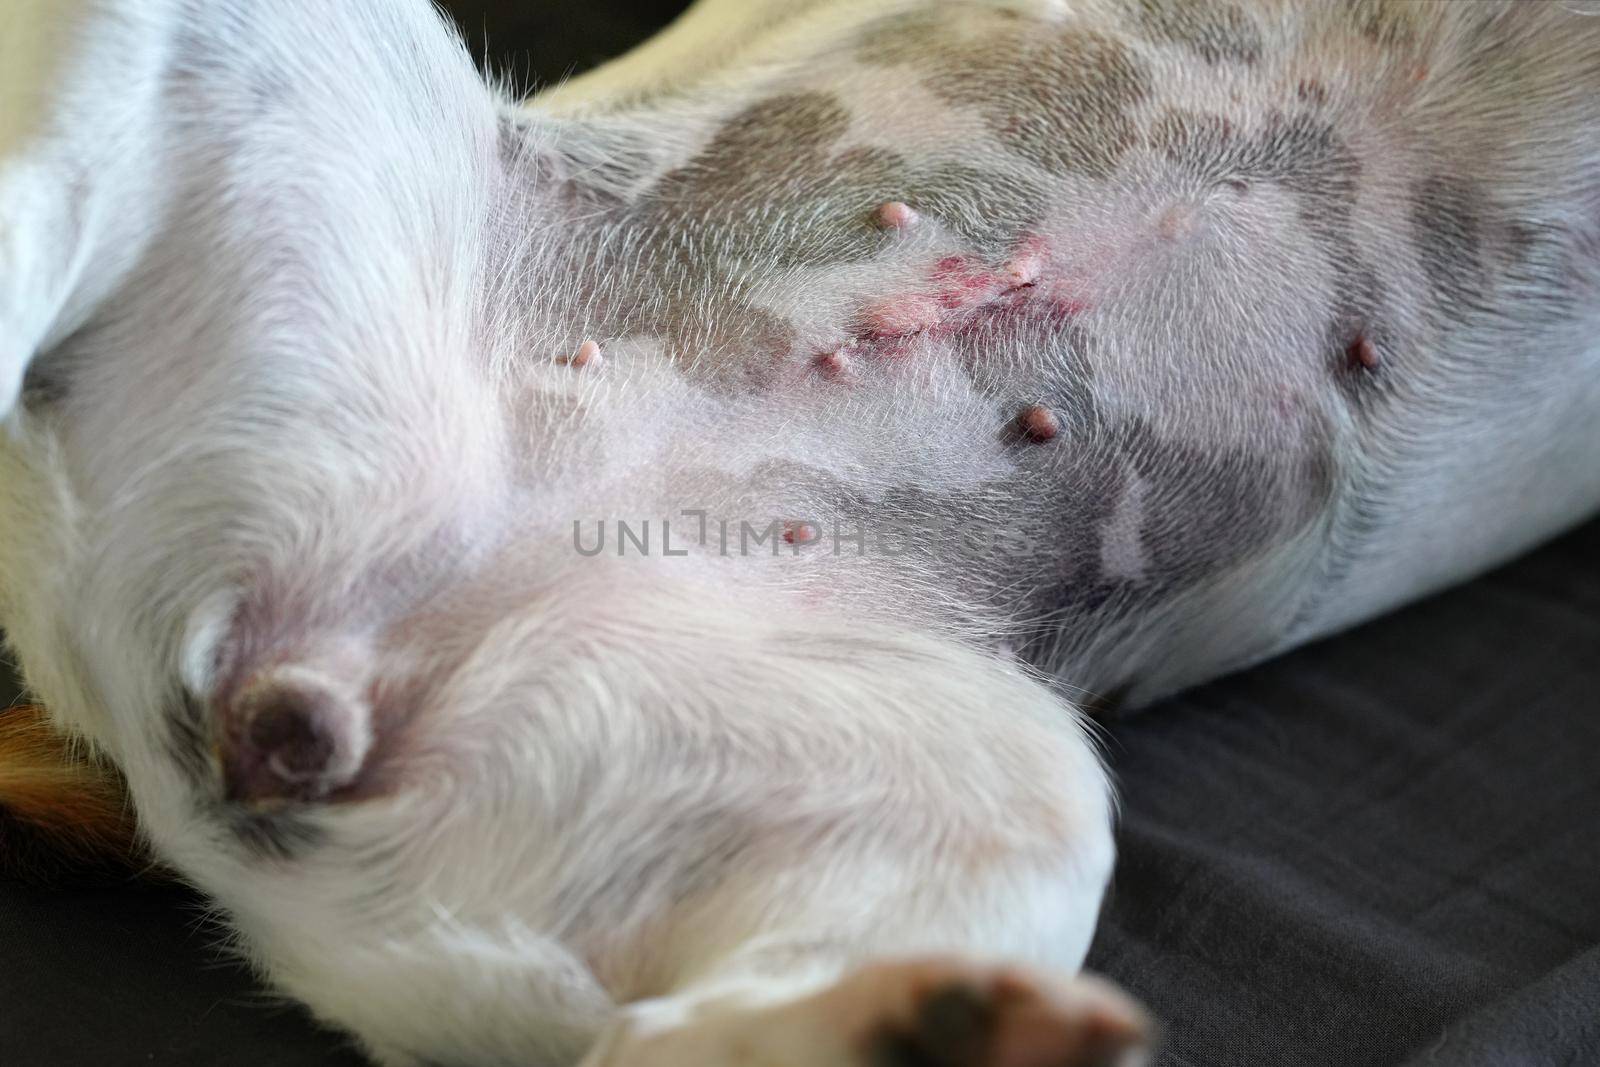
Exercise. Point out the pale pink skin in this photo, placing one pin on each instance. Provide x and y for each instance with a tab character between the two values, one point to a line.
307	432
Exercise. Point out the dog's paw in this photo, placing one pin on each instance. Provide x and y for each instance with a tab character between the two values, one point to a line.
952	1015
916	1014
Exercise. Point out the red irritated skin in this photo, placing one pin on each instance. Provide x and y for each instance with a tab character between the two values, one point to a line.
577	580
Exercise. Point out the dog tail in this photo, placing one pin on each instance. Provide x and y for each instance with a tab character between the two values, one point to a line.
64	815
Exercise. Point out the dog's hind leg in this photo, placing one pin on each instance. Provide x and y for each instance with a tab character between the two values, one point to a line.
927	913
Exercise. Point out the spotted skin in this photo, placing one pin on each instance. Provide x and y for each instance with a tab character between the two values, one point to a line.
1076	248
1447	216
1141	339
1216	32
1058	98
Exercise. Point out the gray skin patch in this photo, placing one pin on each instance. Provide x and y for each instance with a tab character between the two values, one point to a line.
991	209
1448	219
679	258
773	189
1215	31
1302	153
1553	269
912	37
1390	23
1030	547
45	384
779	185
1203	510
1059	98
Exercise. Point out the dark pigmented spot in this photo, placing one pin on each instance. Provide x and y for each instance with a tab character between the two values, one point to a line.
684	255
44	384
725	341
1213	30
1302	153
1040	532
776	126
1389	23
780	195
855	183
775	189
991	209
901	39
1554	268
1059	98
952	1026
278	836
778	149
1447	216
1207	508
1311	92
1060	101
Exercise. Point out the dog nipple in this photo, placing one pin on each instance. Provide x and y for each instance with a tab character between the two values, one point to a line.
1038	423
1363	353
587	355
896	216
833	364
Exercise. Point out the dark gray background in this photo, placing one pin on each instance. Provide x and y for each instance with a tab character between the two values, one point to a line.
1381	849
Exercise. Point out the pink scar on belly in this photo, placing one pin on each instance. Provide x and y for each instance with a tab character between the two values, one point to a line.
902	316
896	216
587	355
962	293
963	284
1038	423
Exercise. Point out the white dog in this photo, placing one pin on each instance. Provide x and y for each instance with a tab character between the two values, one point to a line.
604	579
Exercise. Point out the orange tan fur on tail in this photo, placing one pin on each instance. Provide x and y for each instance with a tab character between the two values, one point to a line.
63	814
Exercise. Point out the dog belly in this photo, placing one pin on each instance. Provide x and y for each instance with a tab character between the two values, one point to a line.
1185	333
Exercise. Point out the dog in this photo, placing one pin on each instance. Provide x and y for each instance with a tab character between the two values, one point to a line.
619	578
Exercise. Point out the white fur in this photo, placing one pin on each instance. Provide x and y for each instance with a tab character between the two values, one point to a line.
301	295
